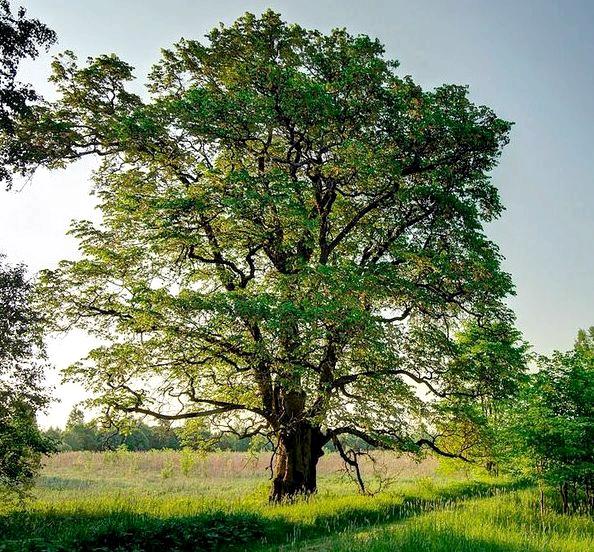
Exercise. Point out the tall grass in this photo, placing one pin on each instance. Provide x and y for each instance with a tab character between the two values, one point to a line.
220	464
506	522
170	501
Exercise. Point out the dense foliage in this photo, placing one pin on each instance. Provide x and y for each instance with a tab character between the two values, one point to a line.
22	363
21	39
549	433
488	360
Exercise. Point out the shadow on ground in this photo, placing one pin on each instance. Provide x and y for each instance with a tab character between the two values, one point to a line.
127	531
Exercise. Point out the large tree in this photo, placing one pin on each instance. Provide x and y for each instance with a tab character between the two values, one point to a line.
291	236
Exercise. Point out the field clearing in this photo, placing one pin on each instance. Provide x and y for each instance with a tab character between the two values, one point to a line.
219	464
171	500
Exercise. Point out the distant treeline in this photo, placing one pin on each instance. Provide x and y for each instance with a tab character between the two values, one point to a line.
80	435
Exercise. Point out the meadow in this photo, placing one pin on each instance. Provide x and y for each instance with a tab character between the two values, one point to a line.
181	501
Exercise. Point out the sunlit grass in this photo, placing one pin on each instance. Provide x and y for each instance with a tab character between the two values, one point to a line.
506	522
94	499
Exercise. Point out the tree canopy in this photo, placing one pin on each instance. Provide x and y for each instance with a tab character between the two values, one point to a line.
291	237
21	38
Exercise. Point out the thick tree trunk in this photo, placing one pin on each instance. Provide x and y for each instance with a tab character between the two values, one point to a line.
297	455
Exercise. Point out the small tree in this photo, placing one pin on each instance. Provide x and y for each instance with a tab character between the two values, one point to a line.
292	234
484	378
551	428
22	363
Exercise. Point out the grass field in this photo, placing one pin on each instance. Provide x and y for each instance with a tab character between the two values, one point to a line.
168	501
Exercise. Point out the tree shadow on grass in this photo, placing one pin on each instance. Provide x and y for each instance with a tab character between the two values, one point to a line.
128	531
359	517
123	531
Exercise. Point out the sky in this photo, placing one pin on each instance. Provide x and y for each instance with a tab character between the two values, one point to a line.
530	60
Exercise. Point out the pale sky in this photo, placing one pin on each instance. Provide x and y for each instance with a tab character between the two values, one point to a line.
530	60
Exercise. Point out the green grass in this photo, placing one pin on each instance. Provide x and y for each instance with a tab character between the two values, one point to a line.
507	522
144	502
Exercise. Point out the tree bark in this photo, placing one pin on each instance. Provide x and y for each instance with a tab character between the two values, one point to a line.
297	455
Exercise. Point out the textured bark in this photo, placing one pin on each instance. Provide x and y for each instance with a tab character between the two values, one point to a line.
299	449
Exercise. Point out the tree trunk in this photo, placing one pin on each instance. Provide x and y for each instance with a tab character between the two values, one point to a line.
297	455
564	490
589	490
